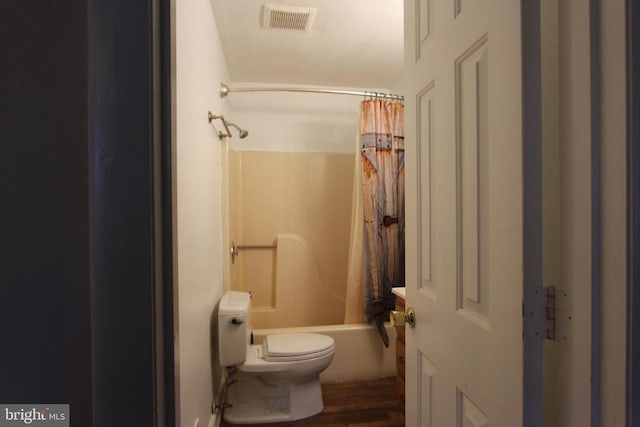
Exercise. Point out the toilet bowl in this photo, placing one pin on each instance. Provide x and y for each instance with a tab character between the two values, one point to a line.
275	381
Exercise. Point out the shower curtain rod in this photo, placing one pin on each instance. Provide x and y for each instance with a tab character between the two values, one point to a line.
225	90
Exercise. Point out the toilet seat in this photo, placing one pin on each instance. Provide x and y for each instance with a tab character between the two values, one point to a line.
296	346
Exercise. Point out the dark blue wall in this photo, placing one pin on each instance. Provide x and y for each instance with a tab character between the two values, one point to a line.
80	297
45	329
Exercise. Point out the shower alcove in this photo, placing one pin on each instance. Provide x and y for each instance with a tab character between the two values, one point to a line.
289	194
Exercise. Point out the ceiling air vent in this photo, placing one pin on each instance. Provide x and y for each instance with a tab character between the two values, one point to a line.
285	17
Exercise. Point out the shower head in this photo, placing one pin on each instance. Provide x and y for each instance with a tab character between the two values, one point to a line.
242	133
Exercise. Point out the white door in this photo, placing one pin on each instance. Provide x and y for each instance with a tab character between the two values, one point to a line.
465	216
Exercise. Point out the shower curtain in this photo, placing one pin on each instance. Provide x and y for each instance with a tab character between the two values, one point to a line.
354	305
382	177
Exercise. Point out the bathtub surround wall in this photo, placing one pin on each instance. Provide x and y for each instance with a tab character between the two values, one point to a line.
301	202
199	66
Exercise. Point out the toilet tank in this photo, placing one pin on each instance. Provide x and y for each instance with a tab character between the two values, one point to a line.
233	328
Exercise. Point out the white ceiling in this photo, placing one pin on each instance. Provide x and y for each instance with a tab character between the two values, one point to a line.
352	43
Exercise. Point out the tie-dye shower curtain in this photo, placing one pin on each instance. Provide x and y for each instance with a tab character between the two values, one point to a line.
382	156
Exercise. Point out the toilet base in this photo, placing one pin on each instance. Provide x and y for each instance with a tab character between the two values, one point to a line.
256	399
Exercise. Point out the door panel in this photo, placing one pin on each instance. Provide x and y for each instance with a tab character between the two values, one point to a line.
471	166
425	109
464	200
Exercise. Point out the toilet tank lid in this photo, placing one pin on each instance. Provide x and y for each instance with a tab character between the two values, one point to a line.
234	303
290	344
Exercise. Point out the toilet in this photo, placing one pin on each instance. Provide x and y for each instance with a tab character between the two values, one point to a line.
275	381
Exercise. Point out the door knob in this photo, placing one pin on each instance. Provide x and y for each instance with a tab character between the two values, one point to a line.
398	318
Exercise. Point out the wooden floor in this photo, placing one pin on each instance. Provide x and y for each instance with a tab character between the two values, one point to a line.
360	404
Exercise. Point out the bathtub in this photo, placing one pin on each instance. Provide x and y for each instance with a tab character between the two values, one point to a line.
360	353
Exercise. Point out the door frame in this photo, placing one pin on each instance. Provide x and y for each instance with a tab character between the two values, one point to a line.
633	212
596	213
130	213
532	292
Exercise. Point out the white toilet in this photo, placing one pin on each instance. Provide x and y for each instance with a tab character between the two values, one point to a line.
276	380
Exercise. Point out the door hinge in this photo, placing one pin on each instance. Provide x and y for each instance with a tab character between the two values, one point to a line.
550	313
547	316
556	315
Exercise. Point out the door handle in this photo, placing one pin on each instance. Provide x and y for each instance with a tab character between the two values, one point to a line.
398	318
